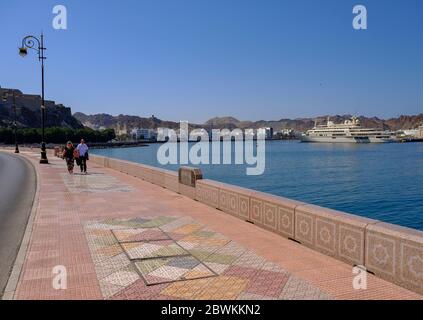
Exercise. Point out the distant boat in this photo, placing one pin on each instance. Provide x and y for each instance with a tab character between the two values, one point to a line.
348	132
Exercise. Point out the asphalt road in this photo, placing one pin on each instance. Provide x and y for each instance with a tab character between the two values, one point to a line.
17	191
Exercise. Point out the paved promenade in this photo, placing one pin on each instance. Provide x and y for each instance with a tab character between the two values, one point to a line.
119	237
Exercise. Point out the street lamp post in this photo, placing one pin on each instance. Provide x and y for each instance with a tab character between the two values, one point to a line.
15	125
31	42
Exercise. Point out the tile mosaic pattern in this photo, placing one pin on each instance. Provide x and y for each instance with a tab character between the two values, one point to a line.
153	249
139	234
178	258
93	183
164	270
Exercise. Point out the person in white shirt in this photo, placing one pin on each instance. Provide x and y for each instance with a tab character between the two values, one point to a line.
83	156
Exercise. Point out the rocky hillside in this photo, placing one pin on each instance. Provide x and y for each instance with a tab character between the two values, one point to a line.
28	112
100	121
300	124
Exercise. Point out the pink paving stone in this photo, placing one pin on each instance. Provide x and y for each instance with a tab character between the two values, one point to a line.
139	291
241	272
58	238
268	283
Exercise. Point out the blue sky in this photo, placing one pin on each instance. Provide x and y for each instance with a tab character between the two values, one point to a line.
196	59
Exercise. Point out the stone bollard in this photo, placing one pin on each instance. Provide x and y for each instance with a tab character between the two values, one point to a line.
187	176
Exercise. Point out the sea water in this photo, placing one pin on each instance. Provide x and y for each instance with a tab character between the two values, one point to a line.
379	181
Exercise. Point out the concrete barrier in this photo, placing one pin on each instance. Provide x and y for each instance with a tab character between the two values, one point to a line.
207	192
332	232
391	252
395	253
171	180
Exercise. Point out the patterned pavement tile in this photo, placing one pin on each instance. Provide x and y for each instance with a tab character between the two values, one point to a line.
221	258
252	296
139	291
102	241
187	229
175	224
298	289
232	248
157	222
108	290
223	288
122	278
164	270
240	272
268	283
124	223
108	266
250	259
93	183
140	234
186	289
108	252
217	267
155	249
271	266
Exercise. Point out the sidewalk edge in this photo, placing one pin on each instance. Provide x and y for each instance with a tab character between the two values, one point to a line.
12	283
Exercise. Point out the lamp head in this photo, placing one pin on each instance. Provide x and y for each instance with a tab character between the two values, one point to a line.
23	52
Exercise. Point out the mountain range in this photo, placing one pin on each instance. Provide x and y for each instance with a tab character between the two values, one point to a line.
98	121
57	115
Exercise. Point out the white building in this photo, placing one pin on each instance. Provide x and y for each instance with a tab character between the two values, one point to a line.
143	134
269	133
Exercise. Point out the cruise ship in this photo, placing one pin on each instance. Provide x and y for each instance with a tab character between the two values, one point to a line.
348	132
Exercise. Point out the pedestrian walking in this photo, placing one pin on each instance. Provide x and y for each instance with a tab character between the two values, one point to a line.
83	156
69	156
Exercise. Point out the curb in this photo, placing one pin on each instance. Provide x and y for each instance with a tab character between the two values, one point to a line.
12	283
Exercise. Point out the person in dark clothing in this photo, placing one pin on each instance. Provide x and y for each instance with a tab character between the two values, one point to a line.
68	155
83	156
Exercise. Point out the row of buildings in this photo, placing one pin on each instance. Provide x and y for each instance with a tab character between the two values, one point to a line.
146	134
412	134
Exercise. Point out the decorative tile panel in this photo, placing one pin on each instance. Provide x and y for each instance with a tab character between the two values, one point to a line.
286	224
351	244
229	202
325	235
304	228
380	254
270	214
256	211
207	194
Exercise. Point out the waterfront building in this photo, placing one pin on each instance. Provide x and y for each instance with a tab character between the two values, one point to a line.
121	130
269	133
143	134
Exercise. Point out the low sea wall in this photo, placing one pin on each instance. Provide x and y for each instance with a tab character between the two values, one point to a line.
390	252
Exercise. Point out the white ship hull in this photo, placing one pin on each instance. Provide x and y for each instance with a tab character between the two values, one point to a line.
305	138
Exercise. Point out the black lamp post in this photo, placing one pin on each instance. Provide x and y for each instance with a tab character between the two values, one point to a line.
31	42
15	126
